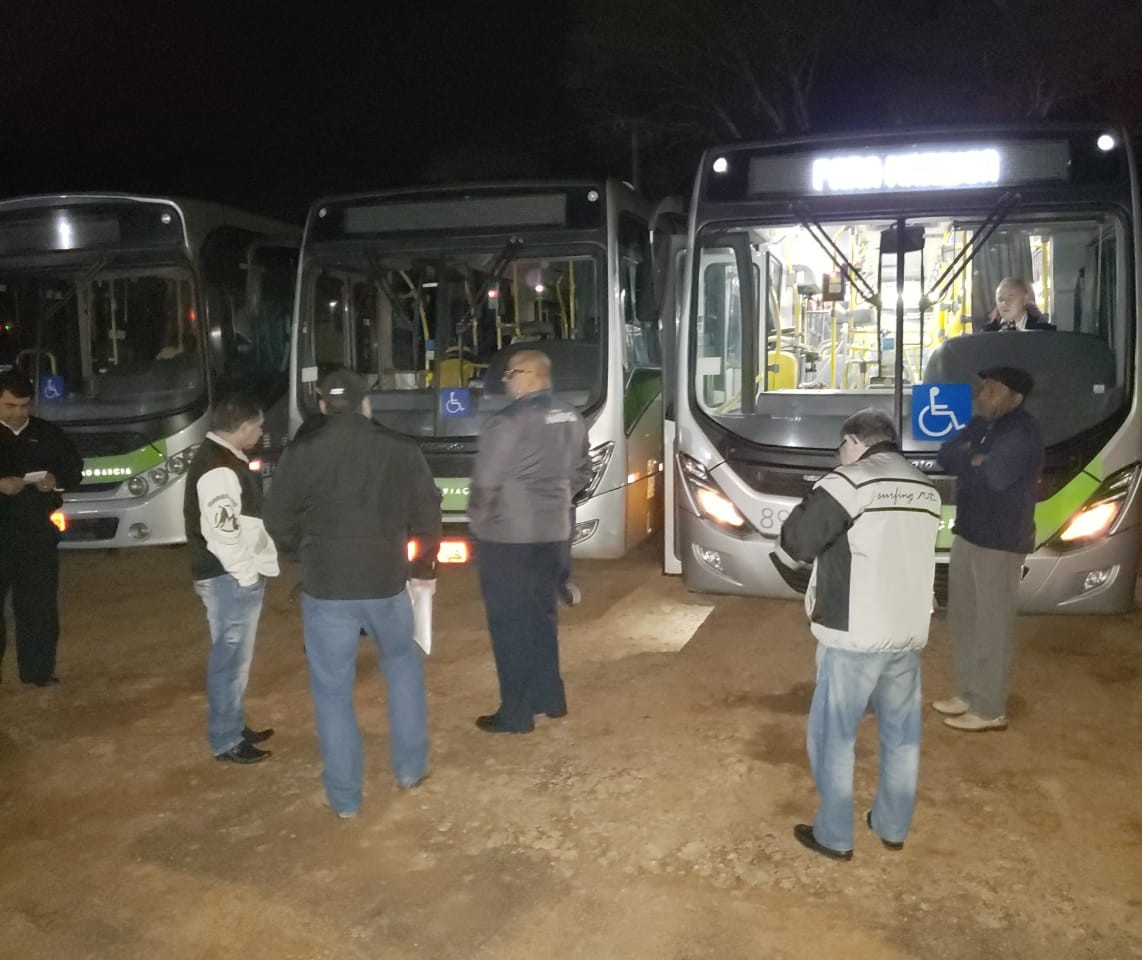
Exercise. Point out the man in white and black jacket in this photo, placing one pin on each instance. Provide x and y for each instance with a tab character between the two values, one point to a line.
349	496
231	556
869	529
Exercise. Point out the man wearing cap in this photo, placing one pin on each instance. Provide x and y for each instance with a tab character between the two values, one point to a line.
997	461
230	558
348	496
532	459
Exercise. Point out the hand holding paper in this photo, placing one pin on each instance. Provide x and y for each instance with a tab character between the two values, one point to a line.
422	592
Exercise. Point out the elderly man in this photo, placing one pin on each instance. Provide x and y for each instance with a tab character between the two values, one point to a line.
997	461
1015	309
869	529
230	556
349	496
532	460
37	461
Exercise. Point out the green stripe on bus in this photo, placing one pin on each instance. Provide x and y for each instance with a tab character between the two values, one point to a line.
123	465
453	493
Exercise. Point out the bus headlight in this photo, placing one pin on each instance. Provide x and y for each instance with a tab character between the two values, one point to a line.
137	486
159	476
1100	514
709	499
600	458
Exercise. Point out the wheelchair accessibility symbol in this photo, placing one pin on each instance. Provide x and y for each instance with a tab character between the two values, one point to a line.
940	410
455	402
51	387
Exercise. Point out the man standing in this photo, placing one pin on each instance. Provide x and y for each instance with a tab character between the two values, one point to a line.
37	461
997	461
230	557
869	528
356	501
532	459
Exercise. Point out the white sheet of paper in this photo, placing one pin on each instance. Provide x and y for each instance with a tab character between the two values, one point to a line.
422	592
35	476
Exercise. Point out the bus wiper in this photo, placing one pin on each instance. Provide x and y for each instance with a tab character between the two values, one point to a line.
507	255
836	254
962	260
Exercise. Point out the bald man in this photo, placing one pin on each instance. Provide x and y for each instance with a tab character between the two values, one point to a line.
532	460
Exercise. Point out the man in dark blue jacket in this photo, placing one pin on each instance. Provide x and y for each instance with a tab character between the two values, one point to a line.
997	460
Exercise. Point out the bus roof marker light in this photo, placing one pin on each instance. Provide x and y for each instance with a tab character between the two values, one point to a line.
593	196
721	165
165	219
1106	142
65	234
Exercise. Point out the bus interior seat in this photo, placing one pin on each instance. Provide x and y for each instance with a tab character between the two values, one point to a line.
1074	373
574	364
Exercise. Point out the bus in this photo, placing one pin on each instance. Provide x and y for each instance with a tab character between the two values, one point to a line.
428	292
128	314
823	275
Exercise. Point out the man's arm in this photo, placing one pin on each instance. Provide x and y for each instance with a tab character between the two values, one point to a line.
581	471
68	464
1009	458
493	461
815	523
285	506
955	454
220	506
424	518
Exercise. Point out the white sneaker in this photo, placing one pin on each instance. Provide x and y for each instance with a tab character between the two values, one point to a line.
975	724
570	595
952	707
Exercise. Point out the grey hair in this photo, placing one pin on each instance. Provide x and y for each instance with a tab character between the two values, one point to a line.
871	426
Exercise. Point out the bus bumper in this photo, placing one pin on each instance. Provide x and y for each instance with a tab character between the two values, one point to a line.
107	520
714	561
1098	578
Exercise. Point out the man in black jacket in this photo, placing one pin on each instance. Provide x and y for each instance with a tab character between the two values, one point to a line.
350	496
37	461
997	460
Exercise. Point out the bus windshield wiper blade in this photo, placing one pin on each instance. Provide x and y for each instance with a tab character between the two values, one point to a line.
507	255
835	253
962	260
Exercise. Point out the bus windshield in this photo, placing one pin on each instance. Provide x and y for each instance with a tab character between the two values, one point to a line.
794	324
103	343
419	325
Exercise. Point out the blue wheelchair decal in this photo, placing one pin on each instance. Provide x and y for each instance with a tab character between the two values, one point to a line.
940	410
455	402
51	388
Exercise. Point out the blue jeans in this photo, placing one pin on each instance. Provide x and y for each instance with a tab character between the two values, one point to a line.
847	683
232	612
332	638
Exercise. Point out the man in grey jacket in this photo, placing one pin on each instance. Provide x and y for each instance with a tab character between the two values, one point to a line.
532	460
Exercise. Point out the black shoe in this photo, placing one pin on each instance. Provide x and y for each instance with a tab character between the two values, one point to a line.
804	834
257	736
492	723
555	714
50	682
245	752
888	843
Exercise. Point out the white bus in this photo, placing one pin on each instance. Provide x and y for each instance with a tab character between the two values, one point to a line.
128	314
828	274
429	291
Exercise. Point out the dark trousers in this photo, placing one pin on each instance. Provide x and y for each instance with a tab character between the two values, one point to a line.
520	584
30	570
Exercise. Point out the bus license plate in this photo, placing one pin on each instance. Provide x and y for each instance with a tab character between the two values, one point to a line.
452	551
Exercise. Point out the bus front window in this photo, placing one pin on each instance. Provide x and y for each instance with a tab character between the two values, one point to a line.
785	353
416	326
104	344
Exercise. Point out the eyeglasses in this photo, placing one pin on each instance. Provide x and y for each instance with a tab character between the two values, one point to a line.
512	371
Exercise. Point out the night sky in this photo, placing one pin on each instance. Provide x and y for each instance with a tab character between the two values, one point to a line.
269	105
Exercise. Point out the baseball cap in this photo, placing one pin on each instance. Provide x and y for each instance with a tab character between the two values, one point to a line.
342	390
1011	377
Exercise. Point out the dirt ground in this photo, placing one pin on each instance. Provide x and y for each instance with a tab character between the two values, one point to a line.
653	822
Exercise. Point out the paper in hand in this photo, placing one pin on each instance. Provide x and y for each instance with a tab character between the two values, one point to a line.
422	592
35	476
